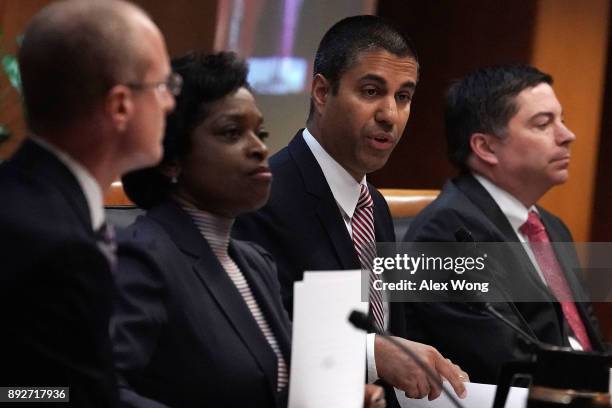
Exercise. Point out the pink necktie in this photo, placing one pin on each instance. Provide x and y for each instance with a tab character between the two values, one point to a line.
534	230
364	240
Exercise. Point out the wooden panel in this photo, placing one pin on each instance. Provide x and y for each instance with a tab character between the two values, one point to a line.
406	202
571	41
601	221
116	197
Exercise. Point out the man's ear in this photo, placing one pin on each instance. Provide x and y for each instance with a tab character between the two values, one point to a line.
484	146
120	106
319	92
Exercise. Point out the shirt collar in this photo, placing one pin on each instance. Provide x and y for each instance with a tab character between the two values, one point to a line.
343	186
89	185
215	229
513	209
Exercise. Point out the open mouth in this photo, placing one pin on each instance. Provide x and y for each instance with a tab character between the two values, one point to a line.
381	141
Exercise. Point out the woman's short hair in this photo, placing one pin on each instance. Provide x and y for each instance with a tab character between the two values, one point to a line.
206	78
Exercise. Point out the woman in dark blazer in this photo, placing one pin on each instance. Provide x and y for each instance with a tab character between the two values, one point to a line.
198	316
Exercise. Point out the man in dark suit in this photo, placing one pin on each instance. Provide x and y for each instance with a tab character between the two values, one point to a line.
90	121
365	74
505	133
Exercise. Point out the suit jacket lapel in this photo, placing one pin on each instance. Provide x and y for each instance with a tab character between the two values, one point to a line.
327	209
220	286
263	296
183	231
483	200
383	225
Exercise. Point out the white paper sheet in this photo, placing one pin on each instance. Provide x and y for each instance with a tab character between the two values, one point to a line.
479	396
328	355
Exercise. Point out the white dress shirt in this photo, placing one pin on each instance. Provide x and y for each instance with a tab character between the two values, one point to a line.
89	185
517	215
345	190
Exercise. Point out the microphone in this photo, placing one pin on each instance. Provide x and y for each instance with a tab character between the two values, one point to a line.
360	320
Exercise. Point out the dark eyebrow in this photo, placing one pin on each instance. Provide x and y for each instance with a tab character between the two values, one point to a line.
236	117
231	116
382	81
548	115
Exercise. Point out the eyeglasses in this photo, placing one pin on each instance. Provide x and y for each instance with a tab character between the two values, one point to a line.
173	84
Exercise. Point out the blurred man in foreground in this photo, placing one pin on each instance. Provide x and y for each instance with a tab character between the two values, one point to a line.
97	86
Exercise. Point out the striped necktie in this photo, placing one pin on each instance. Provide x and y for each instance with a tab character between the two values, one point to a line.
362	225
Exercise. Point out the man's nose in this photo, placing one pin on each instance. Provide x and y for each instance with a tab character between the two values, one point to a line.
387	111
564	135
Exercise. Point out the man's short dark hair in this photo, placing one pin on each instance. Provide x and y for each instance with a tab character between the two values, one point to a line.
206	79
346	40
484	102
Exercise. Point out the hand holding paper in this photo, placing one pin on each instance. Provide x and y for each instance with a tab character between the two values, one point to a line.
401	371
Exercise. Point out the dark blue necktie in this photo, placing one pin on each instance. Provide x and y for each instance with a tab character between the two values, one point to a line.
105	238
